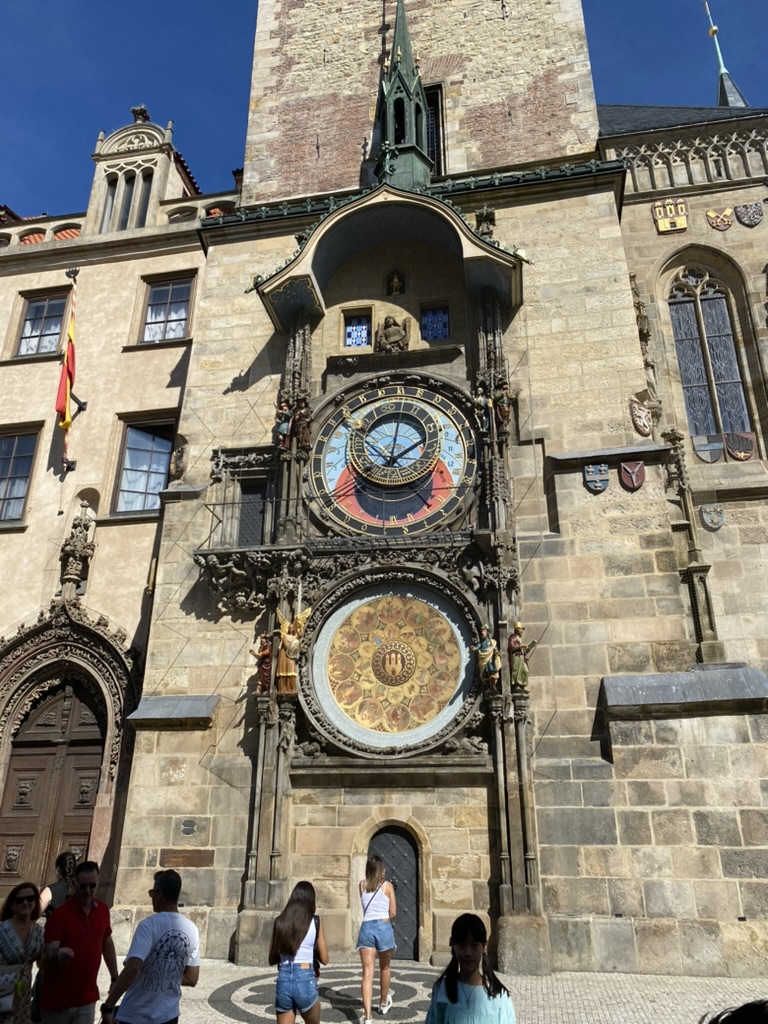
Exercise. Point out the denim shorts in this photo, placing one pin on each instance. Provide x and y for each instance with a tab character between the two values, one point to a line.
378	935
296	988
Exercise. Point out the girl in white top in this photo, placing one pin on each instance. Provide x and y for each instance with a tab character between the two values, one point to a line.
377	898
297	938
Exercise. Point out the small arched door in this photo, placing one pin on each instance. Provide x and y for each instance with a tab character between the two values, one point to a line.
397	848
51	785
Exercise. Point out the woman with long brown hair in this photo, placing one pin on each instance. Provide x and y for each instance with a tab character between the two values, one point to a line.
377	897
297	940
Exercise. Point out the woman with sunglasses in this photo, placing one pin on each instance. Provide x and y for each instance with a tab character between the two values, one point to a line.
21	944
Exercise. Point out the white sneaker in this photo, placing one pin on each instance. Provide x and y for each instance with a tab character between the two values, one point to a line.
385	1007
367	1020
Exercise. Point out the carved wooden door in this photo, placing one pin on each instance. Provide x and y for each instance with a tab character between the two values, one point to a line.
397	849
51	786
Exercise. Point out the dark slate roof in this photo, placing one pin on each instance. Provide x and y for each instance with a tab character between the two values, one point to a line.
616	119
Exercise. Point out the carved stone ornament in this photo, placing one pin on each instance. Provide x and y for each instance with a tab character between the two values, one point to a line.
712	516
234	463
137	140
642	418
77	550
721	218
65	639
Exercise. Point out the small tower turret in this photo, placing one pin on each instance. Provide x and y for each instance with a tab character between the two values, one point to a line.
402	114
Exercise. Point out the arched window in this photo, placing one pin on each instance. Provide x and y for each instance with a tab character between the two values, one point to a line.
146	189
710	373
129	183
109	203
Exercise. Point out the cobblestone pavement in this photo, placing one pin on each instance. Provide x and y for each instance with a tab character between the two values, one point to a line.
229	993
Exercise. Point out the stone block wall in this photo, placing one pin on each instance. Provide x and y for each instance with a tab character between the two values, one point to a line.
316	78
656	862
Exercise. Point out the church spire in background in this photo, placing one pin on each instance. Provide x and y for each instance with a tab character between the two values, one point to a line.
728	93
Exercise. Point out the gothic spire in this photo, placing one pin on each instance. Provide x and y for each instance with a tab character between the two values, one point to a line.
728	93
402	116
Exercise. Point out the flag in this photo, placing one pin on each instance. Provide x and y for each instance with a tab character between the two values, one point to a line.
67	378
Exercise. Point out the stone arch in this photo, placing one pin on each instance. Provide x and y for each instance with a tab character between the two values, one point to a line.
381	818
65	641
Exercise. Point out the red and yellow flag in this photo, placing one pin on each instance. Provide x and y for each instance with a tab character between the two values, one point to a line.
67	378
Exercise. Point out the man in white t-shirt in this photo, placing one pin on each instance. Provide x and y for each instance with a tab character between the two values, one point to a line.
164	955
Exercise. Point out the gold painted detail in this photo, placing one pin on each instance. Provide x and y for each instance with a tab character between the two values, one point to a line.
393	664
670	215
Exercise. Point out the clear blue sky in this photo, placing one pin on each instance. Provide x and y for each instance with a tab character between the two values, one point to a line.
70	69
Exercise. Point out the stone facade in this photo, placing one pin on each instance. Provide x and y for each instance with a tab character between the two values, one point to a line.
611	815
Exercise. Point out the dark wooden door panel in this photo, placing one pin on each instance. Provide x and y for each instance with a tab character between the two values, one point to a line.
397	849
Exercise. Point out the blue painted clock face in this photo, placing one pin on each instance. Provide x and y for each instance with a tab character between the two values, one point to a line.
399	459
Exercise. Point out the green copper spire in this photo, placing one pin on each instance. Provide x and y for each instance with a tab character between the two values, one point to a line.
402	115
728	93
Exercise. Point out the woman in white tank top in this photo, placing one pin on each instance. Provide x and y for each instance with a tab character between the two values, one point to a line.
377	898
297	937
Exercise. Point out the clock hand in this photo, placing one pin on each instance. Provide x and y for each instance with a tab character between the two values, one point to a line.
406	451
375	444
394	442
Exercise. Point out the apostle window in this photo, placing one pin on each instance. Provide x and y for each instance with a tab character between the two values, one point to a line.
242	514
42	325
146	459
434	125
168	310
17	452
707	355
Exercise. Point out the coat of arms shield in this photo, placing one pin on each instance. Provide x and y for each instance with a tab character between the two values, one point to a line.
740	447
632	475
750	214
712	516
596	477
720	219
708	447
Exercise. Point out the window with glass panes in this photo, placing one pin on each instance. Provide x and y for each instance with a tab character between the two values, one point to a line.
710	375
144	470
167	311
16	454
41	329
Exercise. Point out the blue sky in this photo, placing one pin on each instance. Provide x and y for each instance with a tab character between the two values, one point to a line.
70	69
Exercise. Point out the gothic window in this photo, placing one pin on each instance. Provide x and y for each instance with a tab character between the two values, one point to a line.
434	125
146	190
42	324
242	518
144	466
109	203
129	184
16	455
710	374
168	309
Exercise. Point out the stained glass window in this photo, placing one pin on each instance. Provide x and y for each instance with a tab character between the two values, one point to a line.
710	375
434	324
357	331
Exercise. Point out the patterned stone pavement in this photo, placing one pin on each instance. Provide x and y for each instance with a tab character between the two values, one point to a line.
229	993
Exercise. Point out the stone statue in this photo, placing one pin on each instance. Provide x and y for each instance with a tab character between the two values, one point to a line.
484	406
263	656
502	404
283	422
393	337
291	633
519	652
302	424
488	659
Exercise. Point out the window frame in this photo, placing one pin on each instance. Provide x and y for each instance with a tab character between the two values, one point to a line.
232	468
17	431
158	281
28	299
435	98
427	307
351	313
147	424
681	292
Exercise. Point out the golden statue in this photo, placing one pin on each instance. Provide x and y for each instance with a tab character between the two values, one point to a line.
291	632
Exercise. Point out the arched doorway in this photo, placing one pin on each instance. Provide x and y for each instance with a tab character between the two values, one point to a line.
397	848
52	782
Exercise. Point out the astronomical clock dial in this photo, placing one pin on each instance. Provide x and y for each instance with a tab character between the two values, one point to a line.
396	459
392	668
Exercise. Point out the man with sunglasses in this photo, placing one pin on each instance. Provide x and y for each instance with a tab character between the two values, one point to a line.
164	955
77	935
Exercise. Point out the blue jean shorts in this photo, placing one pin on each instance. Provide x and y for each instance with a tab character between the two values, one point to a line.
378	935
296	988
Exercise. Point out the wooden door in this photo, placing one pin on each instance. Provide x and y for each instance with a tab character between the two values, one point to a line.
397	848
51	786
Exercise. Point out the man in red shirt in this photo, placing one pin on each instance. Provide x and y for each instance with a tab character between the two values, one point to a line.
77	935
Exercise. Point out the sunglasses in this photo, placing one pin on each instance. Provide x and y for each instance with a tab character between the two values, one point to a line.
25	899
87	885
